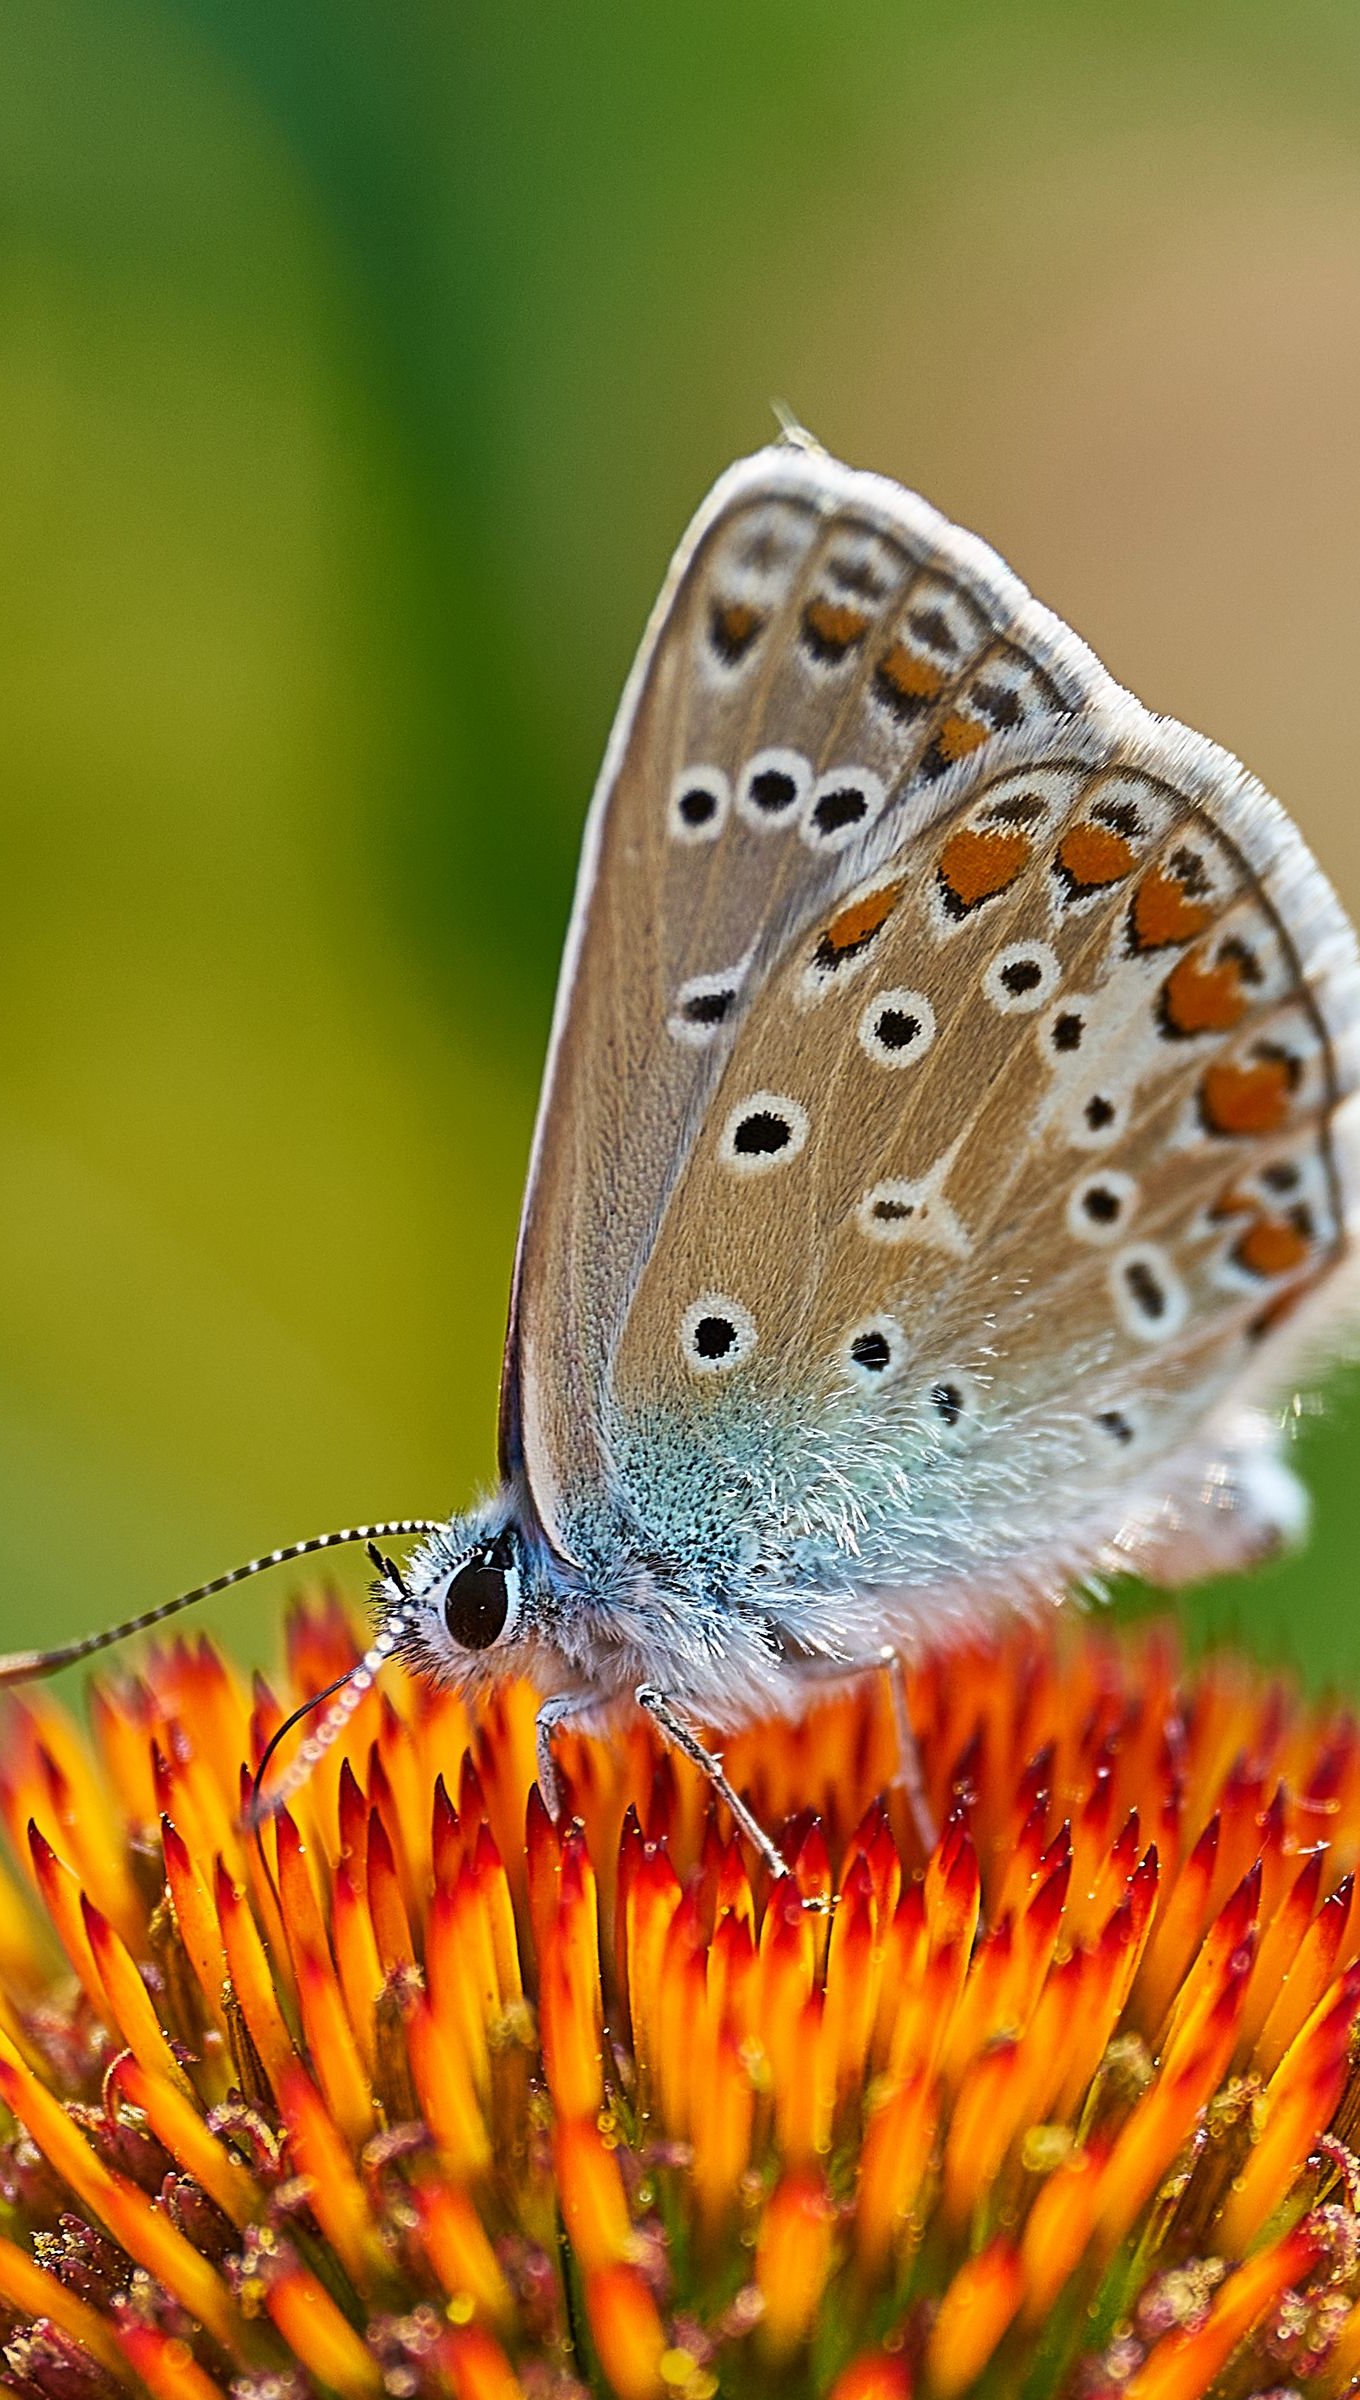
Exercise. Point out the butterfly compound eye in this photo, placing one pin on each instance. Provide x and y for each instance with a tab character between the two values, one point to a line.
482	1600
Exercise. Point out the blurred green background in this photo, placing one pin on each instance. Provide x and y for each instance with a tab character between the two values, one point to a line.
359	366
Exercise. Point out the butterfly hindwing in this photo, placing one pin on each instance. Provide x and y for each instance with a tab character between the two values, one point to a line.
939	1088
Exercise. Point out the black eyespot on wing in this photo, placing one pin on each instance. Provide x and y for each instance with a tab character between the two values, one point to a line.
698	806
772	791
708	1008
717	1333
714	1337
762	1134
1283	1176
1099	1112
1021	975
1144	1289
762	1130
874	1351
1067	1030
1102	1205
896	1028
846	805
947	1401
1116	1424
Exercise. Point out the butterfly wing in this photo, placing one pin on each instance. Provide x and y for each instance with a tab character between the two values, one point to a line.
685	895
943	1112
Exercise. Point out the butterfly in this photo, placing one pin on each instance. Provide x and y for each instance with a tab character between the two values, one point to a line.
947	1148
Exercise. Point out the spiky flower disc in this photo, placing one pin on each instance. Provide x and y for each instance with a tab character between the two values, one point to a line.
451	2102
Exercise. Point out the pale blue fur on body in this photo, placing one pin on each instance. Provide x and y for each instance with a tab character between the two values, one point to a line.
740	1572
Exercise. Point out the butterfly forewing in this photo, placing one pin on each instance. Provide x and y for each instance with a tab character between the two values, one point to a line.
939	1085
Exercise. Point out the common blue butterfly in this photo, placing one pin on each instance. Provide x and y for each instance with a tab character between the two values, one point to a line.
946	1146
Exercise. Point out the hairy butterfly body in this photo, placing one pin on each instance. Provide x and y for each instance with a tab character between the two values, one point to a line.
946	1146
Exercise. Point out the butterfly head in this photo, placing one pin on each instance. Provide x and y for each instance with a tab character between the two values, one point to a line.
464	1610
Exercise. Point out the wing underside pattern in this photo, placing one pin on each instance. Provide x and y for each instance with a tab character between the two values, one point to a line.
950	1053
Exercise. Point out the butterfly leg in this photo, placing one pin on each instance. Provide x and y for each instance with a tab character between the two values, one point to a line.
677	1732
558	1710
909	1777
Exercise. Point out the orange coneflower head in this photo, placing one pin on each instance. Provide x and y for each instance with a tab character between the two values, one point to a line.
423	2094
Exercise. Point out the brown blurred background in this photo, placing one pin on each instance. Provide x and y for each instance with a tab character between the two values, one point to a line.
359	366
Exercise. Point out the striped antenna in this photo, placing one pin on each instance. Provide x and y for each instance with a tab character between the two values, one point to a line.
344	1695
26	1666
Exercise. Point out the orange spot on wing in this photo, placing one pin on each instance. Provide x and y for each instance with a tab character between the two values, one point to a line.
735	626
909	676
975	864
1251	1099
1092	855
1197	998
957	736
1272	1246
834	626
1163	912
862	918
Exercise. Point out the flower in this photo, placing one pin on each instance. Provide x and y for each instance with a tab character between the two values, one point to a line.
428	2096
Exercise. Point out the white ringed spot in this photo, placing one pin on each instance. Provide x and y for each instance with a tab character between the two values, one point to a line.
1022	977
913	1208
1100	1206
874	1351
703	1004
950	1404
841	806
1066	1032
1096	1120
716	1333
699	801
763	1131
772	788
897	1028
1150	1300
